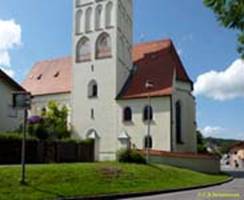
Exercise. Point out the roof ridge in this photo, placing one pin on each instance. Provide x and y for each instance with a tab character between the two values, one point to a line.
53	59
154	42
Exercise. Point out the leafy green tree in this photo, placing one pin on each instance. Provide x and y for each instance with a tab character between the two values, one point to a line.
230	14
201	148
55	120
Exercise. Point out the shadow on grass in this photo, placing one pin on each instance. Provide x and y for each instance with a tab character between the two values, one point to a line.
42	190
155	167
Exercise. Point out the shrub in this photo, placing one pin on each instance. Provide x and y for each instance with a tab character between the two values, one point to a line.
52	124
15	136
130	156
35	119
55	121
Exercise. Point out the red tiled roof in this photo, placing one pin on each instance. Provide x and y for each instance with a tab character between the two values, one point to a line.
10	81
50	77
237	145
156	61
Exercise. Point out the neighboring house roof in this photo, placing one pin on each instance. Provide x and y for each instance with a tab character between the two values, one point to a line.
239	145
10	81
156	61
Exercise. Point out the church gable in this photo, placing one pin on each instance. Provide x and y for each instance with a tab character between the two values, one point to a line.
157	62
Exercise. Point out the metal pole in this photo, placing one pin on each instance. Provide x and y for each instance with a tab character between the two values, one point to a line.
148	125
23	150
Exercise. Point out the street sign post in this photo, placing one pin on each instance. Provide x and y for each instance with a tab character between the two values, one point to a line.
22	101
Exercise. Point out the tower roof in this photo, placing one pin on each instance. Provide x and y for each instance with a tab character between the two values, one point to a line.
156	61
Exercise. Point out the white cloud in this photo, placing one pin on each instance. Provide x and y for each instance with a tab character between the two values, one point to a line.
10	37
10	34
4	58
212	131
223	85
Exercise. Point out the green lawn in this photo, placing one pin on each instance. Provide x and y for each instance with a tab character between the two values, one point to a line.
52	181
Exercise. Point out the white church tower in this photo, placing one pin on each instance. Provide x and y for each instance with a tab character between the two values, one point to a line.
102	46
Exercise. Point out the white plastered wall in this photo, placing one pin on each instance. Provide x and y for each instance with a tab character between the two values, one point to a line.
9	119
183	94
137	129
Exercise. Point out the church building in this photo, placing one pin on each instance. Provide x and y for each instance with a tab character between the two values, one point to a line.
119	94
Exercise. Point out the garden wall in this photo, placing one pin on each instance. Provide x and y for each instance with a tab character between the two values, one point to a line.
46	152
197	162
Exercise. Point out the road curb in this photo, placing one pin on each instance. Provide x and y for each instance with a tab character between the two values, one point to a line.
141	194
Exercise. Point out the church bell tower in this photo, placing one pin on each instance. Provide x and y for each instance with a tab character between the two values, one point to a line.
102	59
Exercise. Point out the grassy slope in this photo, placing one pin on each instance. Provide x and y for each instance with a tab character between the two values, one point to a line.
52	181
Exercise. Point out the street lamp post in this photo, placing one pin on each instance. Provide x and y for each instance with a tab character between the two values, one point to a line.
148	85
23	149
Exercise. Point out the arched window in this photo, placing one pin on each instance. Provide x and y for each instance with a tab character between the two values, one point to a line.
92	89
148	113
127	115
98	17
88	19
83	50
103	46
148	143
79	22
109	10
178	122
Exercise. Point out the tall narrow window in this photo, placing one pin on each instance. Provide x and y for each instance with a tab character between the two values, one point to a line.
98	17
88	19
83	50
127	115
178	122
92	89
109	11
148	143
148	113
79	22
92	114
103	46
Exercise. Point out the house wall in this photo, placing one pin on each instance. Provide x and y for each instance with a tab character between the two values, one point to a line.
237	156
183	94
160	130
10	119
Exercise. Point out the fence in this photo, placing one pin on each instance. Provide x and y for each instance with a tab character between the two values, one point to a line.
46	151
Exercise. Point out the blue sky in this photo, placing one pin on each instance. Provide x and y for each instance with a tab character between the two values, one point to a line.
203	46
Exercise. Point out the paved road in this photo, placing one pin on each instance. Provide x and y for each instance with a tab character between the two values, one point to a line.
235	187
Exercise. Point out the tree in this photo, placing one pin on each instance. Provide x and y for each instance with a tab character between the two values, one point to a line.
55	119
52	124
200	143
230	14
